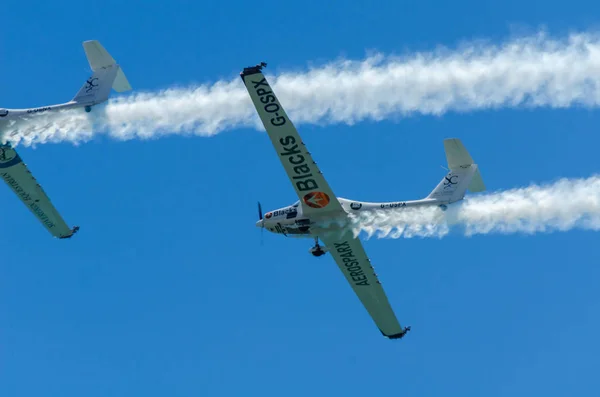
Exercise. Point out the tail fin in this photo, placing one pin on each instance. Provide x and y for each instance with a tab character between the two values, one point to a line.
464	174
107	74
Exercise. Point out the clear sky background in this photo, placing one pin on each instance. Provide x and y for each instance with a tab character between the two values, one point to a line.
167	291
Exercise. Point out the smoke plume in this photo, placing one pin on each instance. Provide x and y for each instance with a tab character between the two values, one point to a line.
533	71
560	206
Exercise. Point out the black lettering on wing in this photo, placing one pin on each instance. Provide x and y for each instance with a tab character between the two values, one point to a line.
287	140
259	83
301	169
278	121
290	151
299	161
308	184
267	99
272	108
262	92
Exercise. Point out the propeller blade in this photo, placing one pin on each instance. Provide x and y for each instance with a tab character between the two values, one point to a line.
260	215
262	241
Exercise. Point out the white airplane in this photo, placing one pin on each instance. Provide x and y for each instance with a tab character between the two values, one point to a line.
318	206
106	74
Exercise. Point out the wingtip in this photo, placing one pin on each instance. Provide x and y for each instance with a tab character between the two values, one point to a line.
73	231
247	71
399	335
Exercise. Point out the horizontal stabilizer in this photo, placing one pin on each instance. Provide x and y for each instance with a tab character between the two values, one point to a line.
476	184
121	84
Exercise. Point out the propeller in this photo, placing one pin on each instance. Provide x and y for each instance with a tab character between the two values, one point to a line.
262	226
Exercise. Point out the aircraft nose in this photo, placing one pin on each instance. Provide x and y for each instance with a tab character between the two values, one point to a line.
260	223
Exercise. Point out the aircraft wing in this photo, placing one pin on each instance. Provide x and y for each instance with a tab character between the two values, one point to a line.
352	260
18	177
316	197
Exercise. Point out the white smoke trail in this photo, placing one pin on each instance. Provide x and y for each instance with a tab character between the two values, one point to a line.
561	206
531	71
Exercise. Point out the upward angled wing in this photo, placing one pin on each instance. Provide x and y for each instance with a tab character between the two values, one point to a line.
16	175
352	260
316	197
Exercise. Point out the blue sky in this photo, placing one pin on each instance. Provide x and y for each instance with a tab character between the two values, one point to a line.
167	290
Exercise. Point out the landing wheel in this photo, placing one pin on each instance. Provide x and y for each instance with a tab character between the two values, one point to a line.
317	250
88	109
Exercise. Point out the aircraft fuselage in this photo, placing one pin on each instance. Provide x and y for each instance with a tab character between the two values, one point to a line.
290	221
11	114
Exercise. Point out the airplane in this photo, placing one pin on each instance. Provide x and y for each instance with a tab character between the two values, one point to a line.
318	209
106	74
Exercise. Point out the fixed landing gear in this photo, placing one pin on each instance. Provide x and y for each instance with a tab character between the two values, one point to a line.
317	250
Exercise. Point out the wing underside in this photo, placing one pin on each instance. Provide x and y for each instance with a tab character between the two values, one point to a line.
352	260
316	197
16	175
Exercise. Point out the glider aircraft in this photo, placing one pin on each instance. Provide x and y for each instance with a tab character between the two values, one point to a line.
318	205
106	74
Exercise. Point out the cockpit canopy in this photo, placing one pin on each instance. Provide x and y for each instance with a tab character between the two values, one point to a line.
3	112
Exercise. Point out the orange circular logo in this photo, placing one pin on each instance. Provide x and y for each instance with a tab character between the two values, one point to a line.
268	215
316	199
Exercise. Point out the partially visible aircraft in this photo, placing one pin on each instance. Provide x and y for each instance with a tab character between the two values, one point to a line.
106	74
315	214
